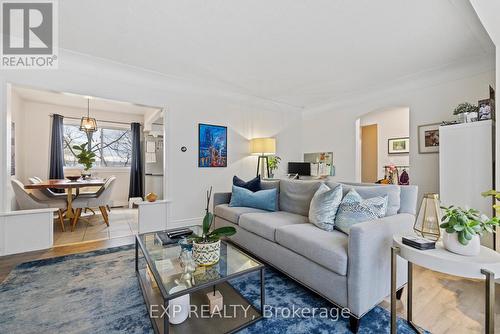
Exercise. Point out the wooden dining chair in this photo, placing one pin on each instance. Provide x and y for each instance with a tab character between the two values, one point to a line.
26	201
101	201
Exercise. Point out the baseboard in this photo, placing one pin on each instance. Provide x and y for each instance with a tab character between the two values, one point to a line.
184	222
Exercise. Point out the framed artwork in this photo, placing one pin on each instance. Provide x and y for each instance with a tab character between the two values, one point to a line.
212	145
398	145
428	138
486	109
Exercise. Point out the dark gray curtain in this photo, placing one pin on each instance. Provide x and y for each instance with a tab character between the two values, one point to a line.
56	168
136	186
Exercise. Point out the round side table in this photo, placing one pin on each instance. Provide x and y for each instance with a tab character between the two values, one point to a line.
483	266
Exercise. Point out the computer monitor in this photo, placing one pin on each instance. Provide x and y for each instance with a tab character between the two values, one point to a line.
300	168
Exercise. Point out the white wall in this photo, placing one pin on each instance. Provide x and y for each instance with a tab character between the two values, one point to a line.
186	105
332	128
33	132
391	123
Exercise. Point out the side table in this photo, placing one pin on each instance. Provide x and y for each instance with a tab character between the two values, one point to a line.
484	266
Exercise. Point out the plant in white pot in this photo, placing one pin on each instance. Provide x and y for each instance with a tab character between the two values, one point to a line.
206	248
463	229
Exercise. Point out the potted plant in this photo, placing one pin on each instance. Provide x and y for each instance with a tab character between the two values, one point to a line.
466	112
273	162
206	248
463	228
85	157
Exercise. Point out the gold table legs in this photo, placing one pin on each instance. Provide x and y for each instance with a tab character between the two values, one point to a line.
69	211
489	327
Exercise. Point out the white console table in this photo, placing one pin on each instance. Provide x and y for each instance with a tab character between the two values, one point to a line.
485	266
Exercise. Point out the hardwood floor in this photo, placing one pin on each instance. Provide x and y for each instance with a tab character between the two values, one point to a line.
442	303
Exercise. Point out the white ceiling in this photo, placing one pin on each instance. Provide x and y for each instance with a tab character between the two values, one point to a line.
80	101
302	53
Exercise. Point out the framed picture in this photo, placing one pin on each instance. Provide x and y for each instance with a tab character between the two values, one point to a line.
428	138
398	145
212	145
486	109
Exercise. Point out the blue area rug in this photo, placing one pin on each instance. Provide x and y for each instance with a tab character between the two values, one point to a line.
98	292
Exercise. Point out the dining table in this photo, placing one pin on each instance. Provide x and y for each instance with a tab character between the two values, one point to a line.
67	185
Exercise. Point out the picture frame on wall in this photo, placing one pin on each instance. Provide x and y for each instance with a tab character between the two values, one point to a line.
486	109
398	145
428	138
212	145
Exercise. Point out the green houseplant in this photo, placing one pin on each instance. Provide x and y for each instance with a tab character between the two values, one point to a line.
466	112
273	163
85	156
463	229
206	248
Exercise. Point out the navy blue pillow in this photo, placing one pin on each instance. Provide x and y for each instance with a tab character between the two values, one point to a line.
252	185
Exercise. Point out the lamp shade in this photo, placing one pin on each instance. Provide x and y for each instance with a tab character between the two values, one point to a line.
88	124
429	218
263	146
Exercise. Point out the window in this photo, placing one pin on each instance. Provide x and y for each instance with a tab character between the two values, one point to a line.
112	146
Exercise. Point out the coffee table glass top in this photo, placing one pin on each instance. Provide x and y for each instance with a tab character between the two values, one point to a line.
165	264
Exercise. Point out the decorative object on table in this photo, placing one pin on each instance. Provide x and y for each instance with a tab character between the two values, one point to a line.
418	242
73	178
321	163
262	199
215	301
206	248
404	178
252	185
429	217
187	262
466	112
428	138
486	109
354	210
398	145
151	197
324	205
178	308
88	124
85	157
212	145
273	163
263	147
463	229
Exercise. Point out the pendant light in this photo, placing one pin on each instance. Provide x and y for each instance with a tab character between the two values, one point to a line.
88	124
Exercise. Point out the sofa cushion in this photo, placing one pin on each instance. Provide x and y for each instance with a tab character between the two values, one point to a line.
233	214
252	185
324	205
296	195
392	191
328	249
265	224
262	199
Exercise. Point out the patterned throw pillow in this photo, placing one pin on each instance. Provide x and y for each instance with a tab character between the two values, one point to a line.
354	210
324	205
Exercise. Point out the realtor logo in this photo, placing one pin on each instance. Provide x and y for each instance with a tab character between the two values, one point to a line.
29	35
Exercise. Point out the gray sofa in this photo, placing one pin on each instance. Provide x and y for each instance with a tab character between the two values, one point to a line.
352	271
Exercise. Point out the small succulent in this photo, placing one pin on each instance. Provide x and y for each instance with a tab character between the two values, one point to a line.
465	108
466	223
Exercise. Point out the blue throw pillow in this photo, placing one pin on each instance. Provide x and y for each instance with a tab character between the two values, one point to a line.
263	199
354	209
324	205
252	185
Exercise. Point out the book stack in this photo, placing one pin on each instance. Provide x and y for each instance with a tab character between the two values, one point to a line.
419	243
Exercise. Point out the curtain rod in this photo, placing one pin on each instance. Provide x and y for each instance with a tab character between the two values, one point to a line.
99	120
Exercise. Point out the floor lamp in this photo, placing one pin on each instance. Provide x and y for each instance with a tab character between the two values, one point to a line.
263	147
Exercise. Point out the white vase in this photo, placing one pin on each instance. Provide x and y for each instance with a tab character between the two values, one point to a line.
206	254
451	243
178	308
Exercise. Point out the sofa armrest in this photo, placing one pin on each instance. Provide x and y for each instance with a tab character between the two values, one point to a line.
221	198
369	266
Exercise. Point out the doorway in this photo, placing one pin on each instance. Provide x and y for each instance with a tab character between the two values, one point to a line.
369	153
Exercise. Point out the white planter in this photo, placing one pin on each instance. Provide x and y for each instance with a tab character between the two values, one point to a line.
206	254
451	243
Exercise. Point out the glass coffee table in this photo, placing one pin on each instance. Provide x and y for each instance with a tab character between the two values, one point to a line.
159	272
